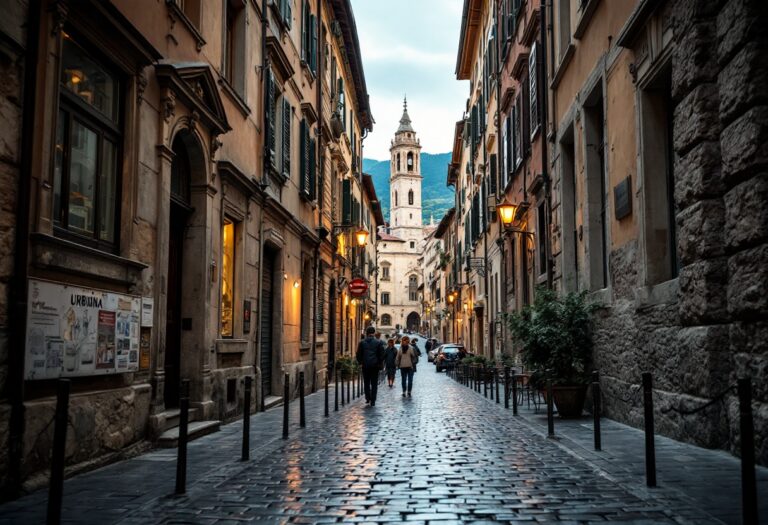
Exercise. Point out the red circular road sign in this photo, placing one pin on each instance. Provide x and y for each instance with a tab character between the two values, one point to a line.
358	287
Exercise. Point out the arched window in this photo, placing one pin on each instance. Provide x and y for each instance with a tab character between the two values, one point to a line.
410	197
386	320
410	161
398	162
395	198
413	285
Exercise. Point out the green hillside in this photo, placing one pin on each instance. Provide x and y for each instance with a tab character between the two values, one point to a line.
437	198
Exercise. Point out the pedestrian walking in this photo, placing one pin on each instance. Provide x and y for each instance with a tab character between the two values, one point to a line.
370	355
390	360
428	345
406	361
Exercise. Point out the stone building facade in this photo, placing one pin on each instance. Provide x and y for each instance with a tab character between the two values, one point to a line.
177	169
660	202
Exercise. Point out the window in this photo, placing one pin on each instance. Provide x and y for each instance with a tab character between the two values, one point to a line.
395	198
660	228
533	90
234	45
279	114
227	278
413	285
413	244
286	138
385	272
385	298
309	37
285	8
191	9
564	36
597	228
410	161
307	162
386	320
398	162
410	197
88	139
306	299
517	131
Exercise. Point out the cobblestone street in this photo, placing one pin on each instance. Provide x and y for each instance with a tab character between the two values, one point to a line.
445	455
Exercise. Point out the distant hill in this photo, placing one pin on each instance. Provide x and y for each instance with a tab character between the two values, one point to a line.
436	197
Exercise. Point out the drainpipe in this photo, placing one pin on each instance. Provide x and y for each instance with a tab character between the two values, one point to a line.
544	155
499	165
319	169
18	290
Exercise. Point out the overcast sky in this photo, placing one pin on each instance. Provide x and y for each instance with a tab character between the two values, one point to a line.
409	47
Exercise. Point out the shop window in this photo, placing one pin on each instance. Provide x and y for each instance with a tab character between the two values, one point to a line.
87	149
227	305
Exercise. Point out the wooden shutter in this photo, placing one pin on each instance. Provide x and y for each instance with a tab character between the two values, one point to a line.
313	43
305	31
304	159
533	77
271	120
517	138
286	12
312	167
494	174
346	202
286	139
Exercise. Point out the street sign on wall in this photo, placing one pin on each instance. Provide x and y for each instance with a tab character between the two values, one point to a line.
358	287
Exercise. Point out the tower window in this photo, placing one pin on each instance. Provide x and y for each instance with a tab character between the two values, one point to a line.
410	161
413	244
395	198
398	162
410	197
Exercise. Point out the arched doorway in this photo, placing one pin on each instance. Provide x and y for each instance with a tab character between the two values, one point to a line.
412	322
188	156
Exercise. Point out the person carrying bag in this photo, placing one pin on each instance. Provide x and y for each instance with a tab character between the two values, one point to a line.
406	361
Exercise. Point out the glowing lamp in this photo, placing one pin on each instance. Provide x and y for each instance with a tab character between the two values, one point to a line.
361	236
506	212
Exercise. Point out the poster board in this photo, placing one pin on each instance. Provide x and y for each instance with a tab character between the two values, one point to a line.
74	331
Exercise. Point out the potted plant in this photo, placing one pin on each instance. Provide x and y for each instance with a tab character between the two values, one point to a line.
555	336
347	366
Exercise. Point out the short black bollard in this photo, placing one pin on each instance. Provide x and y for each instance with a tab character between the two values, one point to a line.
181	461
747	437
596	408
302	414
485	382
336	394
56	489
514	394
496	382
506	387
286	403
349	389
650	447
327	380
247	419
550	410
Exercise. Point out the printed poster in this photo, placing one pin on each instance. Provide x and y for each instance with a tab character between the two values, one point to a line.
73	331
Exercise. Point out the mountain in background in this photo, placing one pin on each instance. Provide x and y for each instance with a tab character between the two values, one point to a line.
436	197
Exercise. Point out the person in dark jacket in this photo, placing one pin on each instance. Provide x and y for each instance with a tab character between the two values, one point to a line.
389	359
370	355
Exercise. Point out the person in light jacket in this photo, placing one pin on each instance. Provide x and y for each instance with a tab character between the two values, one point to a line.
406	361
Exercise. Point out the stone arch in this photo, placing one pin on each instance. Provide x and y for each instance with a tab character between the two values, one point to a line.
413	321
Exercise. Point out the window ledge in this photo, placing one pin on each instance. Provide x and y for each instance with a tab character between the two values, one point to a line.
178	13
55	253
588	8
235	96
656	294
231	346
562	66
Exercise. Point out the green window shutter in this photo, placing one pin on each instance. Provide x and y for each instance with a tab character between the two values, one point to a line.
303	165
286	139
313	43
346	202
494	175
312	168
340	90
271	138
287	13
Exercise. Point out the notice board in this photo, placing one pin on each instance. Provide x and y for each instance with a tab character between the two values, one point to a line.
74	331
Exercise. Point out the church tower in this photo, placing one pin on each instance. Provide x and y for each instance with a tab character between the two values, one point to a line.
405	182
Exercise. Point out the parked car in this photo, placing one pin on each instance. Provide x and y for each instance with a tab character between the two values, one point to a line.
447	356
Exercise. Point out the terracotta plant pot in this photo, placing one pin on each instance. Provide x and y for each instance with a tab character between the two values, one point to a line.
569	400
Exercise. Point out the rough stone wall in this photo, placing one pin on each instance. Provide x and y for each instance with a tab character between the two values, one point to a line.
716	331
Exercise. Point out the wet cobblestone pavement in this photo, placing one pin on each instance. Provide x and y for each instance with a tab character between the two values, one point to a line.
446	455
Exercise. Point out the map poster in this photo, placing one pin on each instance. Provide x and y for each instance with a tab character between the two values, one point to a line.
74	331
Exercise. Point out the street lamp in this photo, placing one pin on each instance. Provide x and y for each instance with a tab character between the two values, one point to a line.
506	212
361	236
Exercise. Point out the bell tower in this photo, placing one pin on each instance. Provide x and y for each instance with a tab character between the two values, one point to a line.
405	181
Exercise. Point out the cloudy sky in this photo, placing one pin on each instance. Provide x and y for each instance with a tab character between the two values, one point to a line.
409	47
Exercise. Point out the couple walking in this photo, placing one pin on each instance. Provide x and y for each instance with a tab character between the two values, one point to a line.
373	355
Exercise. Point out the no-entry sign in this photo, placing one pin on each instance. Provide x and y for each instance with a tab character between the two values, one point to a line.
358	287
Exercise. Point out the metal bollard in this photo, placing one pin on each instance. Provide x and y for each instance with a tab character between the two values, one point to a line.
327	380
349	390
336	394
302	414
747	436
650	447
181	460
56	489
485	382
550	410
496	383
247	419
514	394
286	403
506	387
596	408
